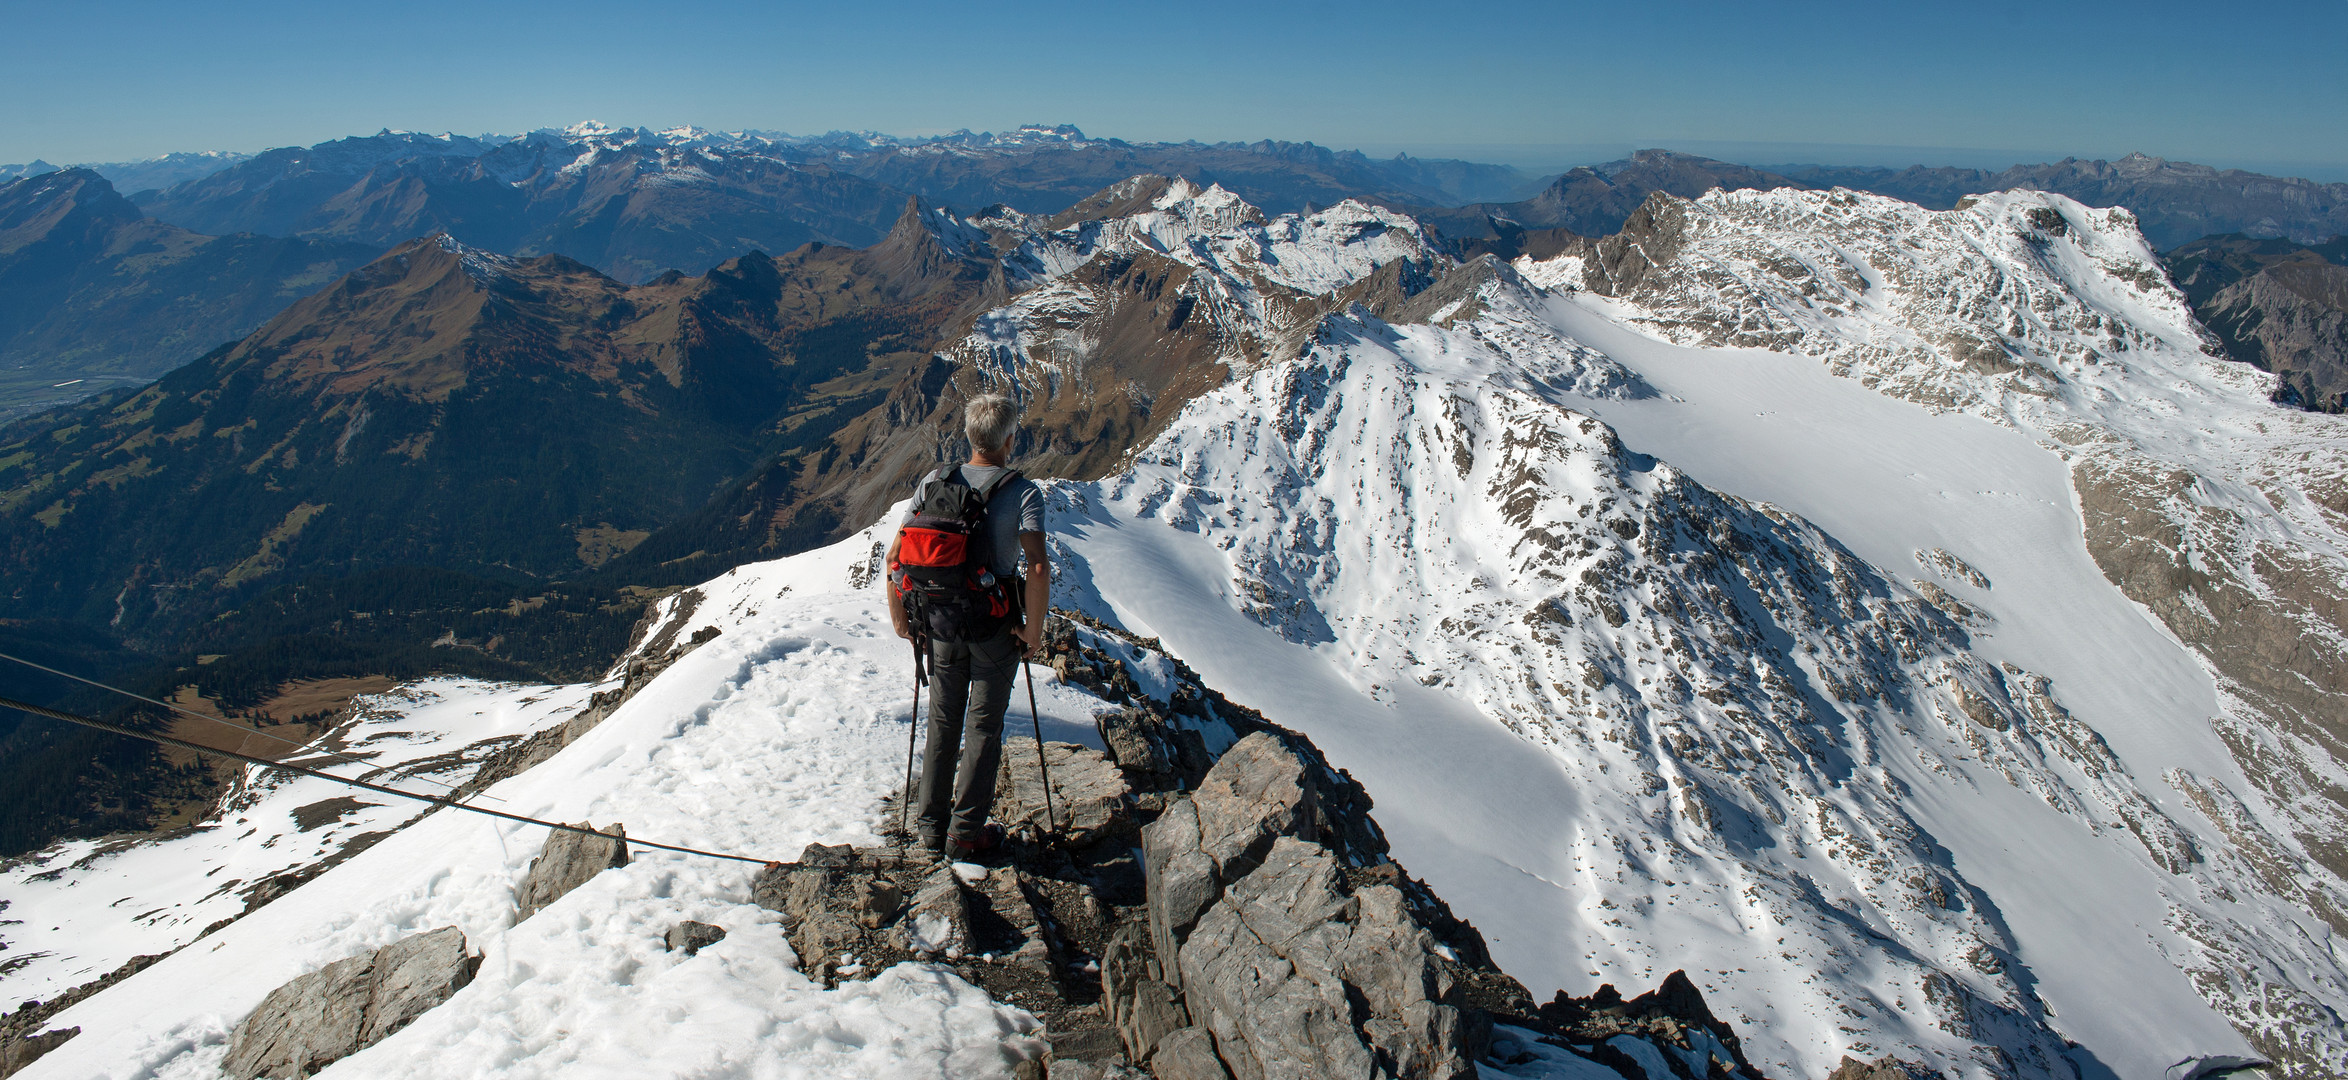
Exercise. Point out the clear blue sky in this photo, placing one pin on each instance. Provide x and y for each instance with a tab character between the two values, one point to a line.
2260	85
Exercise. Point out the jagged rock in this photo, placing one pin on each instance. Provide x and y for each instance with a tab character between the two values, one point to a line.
829	899
1091	800
1673	1015
567	861
1182	879
21	1039
414	974
851	912
305	1024
1188	1054
828	855
1001	900
1090	1053
872	902
1282	964
938	920
1258	791
326	1015
21	1050
1125	965
1137	740
1255	793
1886	1067
691	937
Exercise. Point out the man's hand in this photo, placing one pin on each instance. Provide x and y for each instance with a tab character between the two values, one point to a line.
1030	635
904	631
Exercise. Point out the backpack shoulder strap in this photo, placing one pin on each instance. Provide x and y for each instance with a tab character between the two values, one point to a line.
1001	478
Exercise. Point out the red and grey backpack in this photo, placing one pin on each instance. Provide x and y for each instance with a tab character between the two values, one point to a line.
945	561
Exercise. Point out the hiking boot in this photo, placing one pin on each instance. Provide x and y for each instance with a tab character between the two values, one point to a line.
986	845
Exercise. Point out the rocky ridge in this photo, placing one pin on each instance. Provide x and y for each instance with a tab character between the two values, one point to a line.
1257	861
2177	201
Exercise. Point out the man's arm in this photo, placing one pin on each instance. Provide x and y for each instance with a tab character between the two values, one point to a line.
1039	592
896	599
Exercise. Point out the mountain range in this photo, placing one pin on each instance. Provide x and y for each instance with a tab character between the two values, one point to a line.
95	294
634	203
1921	621
1909	623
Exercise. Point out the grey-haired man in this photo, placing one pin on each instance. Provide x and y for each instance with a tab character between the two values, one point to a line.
970	681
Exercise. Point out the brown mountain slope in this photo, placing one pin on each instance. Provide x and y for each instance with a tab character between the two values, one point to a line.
446	407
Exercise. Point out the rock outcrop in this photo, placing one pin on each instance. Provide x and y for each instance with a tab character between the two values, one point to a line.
1257	938
567	861
1886	1067
22	1038
326	1015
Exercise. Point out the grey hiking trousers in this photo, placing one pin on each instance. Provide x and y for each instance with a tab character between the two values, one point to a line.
970	687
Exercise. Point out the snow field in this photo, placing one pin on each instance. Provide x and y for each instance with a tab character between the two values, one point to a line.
786	729
82	908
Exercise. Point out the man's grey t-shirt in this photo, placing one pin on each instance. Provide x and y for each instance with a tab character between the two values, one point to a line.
1014	508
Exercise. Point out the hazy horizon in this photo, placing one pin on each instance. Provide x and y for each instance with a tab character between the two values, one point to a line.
1543	83
1534	160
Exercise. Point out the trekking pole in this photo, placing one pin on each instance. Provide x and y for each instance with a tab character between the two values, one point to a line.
912	735
1038	717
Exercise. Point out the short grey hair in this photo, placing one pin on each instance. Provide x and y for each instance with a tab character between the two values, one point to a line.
989	420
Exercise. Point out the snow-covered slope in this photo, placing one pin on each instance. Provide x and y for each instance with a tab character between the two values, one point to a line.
1986	812
784	729
82	908
1749	751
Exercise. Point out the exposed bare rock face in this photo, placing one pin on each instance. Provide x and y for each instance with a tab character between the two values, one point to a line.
2276	304
2291	320
1672	1015
1271	948
567	861
1886	1067
22	1040
326	1015
1089	793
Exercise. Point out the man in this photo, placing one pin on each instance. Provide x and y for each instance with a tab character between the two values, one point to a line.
970	681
